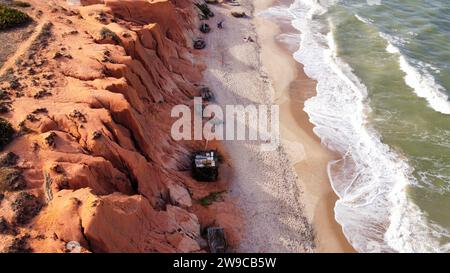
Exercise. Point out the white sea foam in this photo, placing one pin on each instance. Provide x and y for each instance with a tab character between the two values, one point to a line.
392	49
364	20
370	179
420	80
277	12
425	86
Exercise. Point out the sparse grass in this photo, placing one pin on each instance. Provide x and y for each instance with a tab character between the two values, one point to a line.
8	159
42	110
25	207
41	39
11	179
46	32
10	17
46	29
6	132
210	198
21	4
23	129
106	34
19	245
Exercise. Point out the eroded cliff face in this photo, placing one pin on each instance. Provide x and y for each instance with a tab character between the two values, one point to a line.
90	99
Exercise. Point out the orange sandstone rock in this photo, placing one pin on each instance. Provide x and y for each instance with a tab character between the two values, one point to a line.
93	123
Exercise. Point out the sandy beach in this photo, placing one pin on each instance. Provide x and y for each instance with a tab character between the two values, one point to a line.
309	157
285	195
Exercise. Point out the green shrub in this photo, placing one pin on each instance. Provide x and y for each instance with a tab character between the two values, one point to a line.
6	132
106	34
211	198
12	17
11	179
25	207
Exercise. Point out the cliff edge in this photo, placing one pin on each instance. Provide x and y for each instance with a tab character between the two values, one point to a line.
91	160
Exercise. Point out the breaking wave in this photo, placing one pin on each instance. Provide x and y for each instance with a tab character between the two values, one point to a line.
370	179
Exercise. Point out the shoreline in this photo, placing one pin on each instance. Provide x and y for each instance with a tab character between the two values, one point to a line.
263	183
309	157
284	195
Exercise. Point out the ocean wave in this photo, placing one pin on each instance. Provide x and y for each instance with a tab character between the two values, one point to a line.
364	20
420	80
370	179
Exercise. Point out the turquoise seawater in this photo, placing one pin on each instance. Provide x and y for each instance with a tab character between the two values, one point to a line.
415	126
383	73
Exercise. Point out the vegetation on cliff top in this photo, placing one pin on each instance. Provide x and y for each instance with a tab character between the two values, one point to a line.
21	4
10	17
107	34
6	132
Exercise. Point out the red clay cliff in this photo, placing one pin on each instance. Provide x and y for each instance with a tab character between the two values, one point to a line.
92	160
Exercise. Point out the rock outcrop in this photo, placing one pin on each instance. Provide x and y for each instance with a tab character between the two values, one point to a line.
92	120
